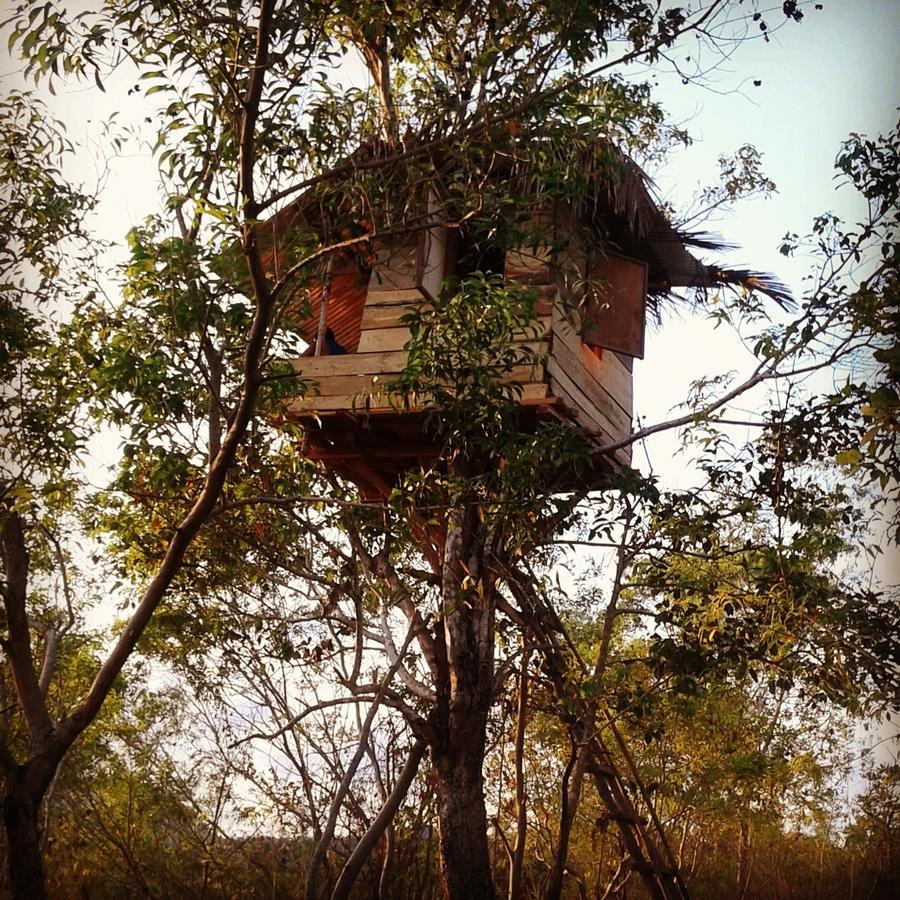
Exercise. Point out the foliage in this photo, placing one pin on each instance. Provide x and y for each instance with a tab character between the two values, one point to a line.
468	358
46	265
852	313
336	637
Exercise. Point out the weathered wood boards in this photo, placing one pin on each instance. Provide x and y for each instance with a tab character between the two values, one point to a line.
615	313
366	393
363	382
595	392
570	380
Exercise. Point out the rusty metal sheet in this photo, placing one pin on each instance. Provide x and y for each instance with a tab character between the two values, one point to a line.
346	300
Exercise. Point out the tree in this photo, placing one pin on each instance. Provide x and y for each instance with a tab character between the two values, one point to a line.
193	373
25	783
875	828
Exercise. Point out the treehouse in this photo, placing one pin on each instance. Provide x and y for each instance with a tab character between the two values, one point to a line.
595	272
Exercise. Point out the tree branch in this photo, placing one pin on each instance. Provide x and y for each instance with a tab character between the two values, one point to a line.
203	506
385	816
18	644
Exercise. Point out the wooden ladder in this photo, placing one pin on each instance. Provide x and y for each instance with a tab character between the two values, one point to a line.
643	835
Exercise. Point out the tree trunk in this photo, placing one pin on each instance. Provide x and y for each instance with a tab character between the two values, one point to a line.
20	820
517	857
465	862
571	796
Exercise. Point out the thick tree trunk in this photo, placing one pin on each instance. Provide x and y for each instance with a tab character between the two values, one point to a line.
464	693
465	862
20	820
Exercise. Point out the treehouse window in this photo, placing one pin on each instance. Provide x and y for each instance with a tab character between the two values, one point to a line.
614	309
476	253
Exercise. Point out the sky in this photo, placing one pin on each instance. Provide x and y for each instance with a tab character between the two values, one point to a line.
835	73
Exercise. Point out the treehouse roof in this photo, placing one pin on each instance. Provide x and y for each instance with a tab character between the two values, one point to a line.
618	206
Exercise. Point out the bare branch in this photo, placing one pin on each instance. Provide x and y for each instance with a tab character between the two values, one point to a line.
368	841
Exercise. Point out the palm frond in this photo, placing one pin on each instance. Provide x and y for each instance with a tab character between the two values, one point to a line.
763	282
704	240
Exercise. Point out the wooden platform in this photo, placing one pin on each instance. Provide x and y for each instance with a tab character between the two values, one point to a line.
366	431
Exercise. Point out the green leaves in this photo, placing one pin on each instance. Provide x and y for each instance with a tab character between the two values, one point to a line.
871	166
46	265
851	457
41	211
740	590
463	354
468	357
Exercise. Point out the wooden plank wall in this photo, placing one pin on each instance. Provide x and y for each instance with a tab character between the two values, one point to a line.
360	381
594	392
597	391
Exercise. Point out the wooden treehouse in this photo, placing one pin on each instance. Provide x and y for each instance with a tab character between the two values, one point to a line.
593	277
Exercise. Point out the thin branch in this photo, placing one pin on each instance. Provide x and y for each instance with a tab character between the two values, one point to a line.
54	634
385	816
338	799
394	658
517	856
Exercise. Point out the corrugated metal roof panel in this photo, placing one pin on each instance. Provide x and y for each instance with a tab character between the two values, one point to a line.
346	300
